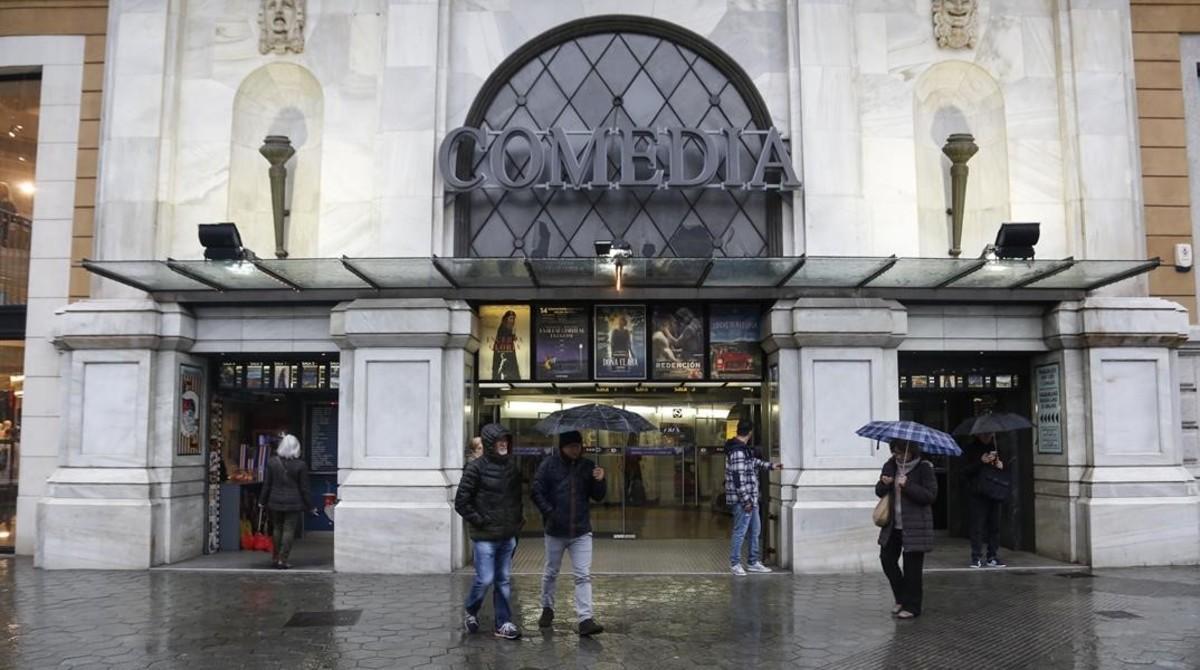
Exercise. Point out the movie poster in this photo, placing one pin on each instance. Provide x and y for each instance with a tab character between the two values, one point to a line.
562	344
191	380
734	342
504	349
677	343
620	341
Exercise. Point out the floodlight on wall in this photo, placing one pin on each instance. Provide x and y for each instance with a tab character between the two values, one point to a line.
1017	240
615	250
222	242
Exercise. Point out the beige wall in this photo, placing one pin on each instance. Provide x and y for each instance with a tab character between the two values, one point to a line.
72	17
1156	28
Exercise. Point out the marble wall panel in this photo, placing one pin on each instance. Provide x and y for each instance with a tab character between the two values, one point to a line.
110	423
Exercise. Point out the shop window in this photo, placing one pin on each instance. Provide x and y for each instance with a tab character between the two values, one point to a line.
20	98
12	357
620	73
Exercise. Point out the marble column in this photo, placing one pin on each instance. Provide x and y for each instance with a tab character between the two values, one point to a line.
1119	495
837	371
404	375
121	498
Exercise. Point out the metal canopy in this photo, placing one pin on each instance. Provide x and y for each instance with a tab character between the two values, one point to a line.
695	278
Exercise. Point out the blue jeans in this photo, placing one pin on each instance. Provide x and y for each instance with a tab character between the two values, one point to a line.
493	565
743	521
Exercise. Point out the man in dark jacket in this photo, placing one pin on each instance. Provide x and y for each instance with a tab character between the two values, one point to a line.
987	489
561	489
489	499
742	466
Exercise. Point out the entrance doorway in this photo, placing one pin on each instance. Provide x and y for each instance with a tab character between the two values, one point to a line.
254	401
943	390
665	504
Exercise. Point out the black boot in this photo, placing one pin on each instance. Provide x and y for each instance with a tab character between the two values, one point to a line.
590	627
547	618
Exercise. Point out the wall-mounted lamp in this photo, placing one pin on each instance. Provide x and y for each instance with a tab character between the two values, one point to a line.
1016	240
959	148
222	242
616	250
277	149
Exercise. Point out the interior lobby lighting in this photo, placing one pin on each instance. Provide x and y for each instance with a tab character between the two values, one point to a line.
222	242
26	187
1017	240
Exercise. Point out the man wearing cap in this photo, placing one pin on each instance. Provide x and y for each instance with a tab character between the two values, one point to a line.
561	489
742	466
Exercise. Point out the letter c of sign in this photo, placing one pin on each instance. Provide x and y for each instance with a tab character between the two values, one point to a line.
447	155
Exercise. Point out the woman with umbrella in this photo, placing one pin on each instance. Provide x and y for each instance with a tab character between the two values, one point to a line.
910	485
909	481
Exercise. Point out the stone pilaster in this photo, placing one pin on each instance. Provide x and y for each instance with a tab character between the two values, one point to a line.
837	371
404	376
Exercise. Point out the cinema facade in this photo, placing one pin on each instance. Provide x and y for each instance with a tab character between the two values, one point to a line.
480	211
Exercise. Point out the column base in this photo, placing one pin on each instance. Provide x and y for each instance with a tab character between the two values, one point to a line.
831	522
1132	532
95	534
394	522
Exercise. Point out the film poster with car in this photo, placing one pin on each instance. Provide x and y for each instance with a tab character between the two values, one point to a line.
734	342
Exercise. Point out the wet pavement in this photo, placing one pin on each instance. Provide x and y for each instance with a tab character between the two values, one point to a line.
1140	618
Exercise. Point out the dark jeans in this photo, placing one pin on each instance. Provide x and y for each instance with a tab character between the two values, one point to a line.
985	518
906	585
284	525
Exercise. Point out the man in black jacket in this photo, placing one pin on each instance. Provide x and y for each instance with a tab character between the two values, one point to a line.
561	489
489	499
987	489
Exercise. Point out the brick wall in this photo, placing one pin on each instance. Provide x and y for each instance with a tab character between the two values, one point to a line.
1156	28
72	17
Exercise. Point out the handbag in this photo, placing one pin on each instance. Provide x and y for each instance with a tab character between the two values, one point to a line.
882	515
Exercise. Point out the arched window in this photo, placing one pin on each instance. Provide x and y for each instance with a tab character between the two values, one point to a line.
620	72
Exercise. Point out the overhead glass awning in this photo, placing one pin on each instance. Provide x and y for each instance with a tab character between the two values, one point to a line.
581	278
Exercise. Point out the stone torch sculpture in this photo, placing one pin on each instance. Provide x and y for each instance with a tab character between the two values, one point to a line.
959	148
277	149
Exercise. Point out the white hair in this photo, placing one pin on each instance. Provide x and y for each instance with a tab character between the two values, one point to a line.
289	447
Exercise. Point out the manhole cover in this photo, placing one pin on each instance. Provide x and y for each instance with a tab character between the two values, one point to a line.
1076	575
323	619
1117	614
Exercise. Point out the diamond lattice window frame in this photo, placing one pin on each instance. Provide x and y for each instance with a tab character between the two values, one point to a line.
688	222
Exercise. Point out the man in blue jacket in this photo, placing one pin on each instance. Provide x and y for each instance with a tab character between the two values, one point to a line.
561	489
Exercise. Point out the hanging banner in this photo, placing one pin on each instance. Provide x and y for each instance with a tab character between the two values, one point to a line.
620	341
191	380
677	343
504	351
562	344
733	342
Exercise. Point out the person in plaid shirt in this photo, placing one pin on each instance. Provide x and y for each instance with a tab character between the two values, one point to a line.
741	493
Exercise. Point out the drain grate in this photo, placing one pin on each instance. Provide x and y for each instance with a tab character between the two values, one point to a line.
1117	614
1076	575
323	619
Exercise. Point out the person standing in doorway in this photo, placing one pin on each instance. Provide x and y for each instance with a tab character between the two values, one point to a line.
286	495
561	490
910	483
987	489
489	500
742	466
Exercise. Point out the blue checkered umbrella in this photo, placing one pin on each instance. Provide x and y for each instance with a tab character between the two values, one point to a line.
932	441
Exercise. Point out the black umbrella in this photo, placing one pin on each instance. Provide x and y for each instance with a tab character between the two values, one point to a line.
999	422
593	417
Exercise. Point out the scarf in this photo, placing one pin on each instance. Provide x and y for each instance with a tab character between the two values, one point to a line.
901	469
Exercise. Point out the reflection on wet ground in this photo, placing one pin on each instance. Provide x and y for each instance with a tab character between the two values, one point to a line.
991	619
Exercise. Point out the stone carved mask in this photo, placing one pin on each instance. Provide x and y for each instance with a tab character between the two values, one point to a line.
954	23
281	26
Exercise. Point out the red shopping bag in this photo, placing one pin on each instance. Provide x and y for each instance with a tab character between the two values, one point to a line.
260	541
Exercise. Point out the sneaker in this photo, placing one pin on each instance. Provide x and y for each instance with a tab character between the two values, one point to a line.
547	618
471	623
976	563
758	567
508	631
590	627
995	562
738	570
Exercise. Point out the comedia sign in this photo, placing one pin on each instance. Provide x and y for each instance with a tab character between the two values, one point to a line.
521	158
